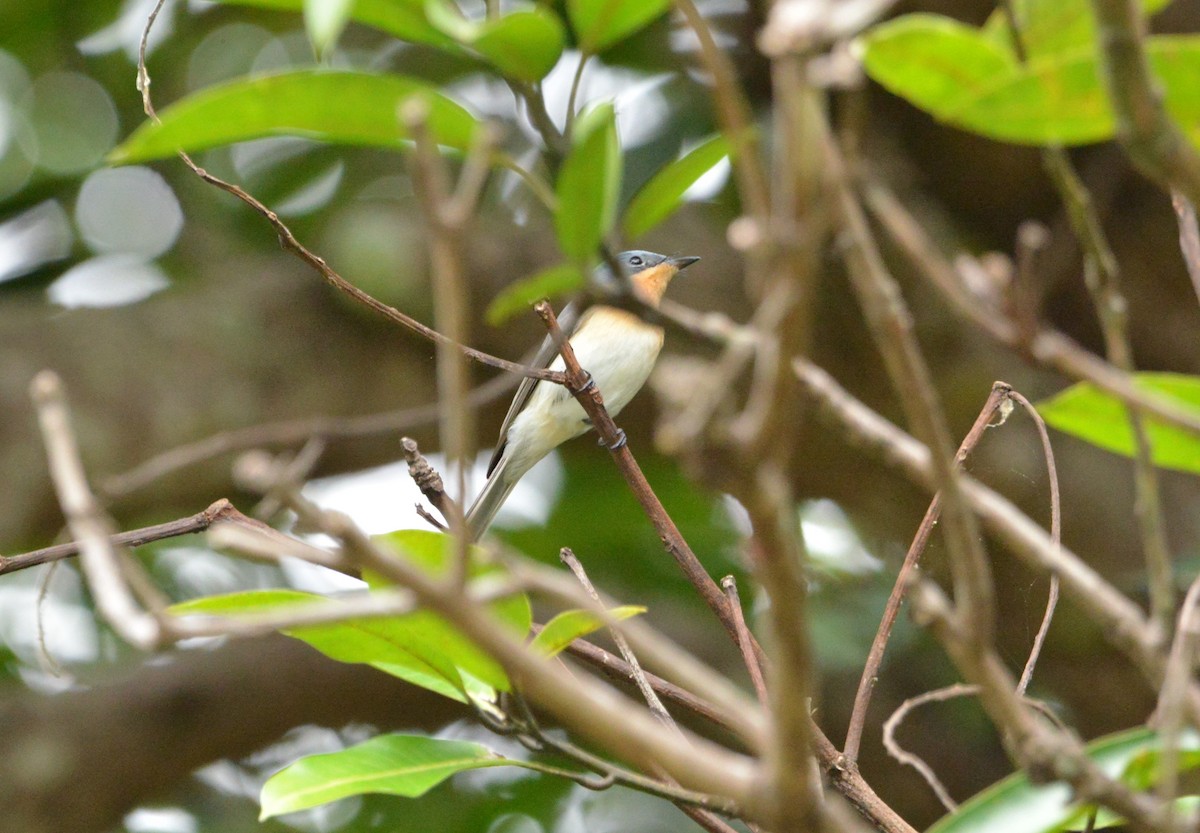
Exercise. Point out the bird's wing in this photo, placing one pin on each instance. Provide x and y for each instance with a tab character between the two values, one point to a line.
568	320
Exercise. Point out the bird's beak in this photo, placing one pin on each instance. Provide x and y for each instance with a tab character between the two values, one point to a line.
681	263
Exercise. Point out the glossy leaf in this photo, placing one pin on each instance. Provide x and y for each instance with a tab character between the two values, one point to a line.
570	625
659	198
403	765
522	294
964	78
601	23
381	643
324	21
340	107
1099	418
589	183
404	19
419	647
1016	806
524	44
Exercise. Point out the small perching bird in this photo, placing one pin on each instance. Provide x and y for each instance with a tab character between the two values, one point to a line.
616	347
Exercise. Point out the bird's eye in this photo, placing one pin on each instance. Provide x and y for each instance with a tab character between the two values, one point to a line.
636	260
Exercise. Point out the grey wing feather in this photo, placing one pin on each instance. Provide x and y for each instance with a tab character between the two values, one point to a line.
568	319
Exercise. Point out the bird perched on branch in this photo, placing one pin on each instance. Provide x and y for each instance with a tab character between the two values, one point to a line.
615	346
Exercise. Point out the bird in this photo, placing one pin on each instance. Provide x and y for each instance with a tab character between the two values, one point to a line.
615	346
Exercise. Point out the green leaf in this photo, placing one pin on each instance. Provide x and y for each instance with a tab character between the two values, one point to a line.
1099	418
404	19
964	78
420	647
589	183
569	625
404	765
391	645
934	62
524	44
324	21
1013	805
659	198
522	294
340	107
601	23
1051	26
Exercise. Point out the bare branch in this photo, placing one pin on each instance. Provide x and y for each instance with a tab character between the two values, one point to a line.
88	524
1153	141
862	699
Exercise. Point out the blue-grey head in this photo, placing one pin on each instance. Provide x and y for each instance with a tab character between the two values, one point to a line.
648	273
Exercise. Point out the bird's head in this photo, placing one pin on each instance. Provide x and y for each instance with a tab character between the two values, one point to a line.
649	273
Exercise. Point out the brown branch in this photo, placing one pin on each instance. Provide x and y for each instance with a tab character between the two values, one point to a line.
1044	752
866	684
890	323
1154	142
288	432
87	522
290	243
1048	347
1119	619
1039	638
577	381
219	511
427	478
1189	237
892	724
745	641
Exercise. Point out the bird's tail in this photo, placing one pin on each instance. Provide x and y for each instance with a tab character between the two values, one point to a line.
484	509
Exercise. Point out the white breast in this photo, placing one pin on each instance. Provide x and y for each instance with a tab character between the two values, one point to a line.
619	350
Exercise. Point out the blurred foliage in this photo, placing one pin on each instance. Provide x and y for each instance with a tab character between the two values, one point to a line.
67	98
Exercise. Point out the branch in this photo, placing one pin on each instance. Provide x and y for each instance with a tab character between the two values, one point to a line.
578	382
1152	140
1047	347
891	327
88	524
866	683
1119	619
221	510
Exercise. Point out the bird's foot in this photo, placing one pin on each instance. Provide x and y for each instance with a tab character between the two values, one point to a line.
618	444
588	385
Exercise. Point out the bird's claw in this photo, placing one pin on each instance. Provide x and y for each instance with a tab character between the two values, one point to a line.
618	444
588	385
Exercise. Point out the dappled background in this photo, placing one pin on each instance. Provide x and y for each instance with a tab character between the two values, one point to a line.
172	314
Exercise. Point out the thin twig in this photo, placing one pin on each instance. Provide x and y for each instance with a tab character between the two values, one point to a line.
218	511
589	398
748	656
1189	237
1048	347
866	684
288	432
88	524
1120	620
892	724
656	707
1102	278
427	478
1031	743
1039	639
891	327
446	215
289	242
1181	664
